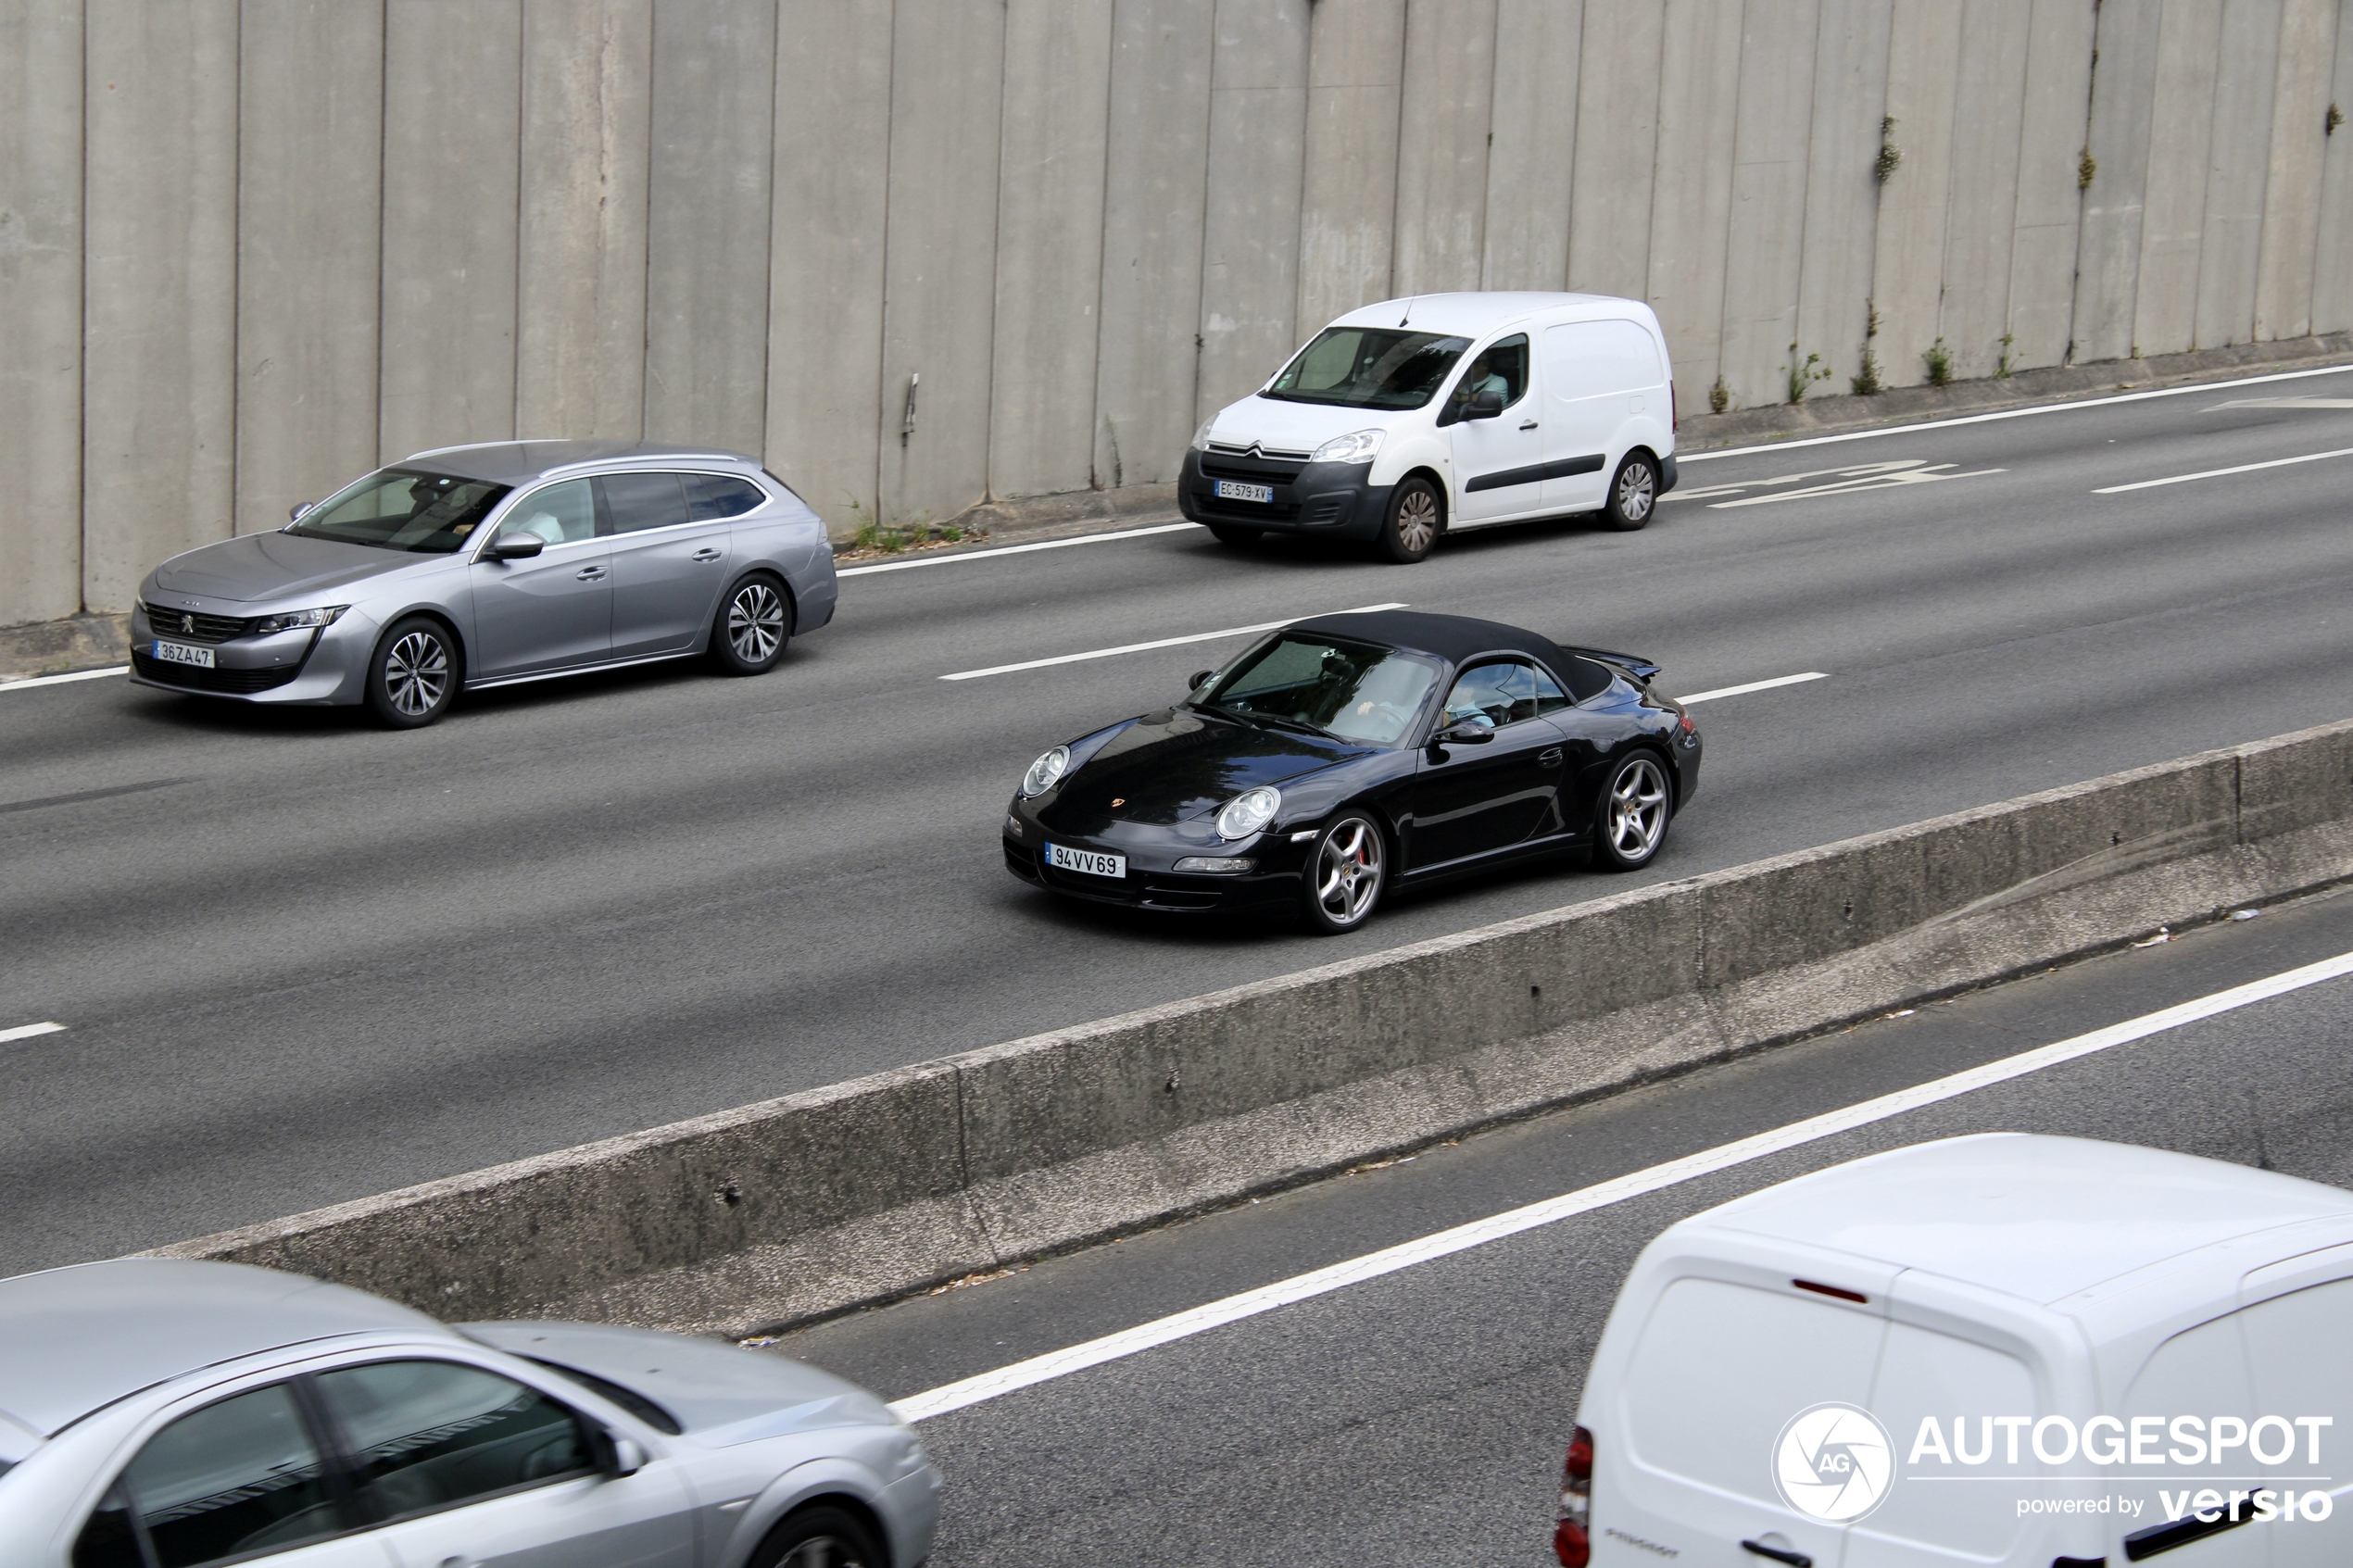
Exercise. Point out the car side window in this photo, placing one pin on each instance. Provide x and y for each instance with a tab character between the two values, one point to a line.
710	497
230	1480
1550	699
1494	695
1587	680
555	514
642	500
429	1434
1501	367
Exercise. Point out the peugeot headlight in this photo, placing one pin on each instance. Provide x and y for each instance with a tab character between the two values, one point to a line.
323	616
1361	446
1046	772
1200	436
1249	811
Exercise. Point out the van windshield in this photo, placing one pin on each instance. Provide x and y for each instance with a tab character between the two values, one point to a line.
1369	367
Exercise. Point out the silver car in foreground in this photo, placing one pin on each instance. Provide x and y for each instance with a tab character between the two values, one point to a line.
163	1413
481	566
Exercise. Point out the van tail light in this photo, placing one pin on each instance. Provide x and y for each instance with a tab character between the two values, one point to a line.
1572	1537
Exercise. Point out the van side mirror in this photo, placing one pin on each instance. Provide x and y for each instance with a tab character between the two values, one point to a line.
1195	681
516	546
1486	405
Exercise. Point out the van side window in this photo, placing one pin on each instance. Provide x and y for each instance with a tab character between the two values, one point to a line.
1502	367
1720	1369
1926	1373
1600	358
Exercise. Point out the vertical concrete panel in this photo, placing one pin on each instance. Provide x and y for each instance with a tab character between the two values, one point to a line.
453	74
2173	210
1689	193
1050	235
2050	197
2237	160
2333	279
1774	134
160	288
1537	46
707	222
2291	188
1257	168
939	286
1442	145
1988	110
2108	264
1617	108
40	84
1154	186
1923	52
1841	194
579	356
826	256
1348	212
311	157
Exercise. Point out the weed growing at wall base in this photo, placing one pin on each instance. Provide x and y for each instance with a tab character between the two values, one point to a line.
1939	361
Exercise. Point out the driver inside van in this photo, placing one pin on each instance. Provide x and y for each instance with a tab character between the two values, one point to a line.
1501	369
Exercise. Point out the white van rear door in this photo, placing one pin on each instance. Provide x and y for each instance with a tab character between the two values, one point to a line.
2201	1372
2302	1359
1949	1513
1719	1375
1597	375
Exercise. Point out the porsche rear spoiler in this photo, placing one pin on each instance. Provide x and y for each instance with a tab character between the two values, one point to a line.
1643	669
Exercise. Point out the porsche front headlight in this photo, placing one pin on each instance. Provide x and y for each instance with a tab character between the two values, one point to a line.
1046	772
1249	811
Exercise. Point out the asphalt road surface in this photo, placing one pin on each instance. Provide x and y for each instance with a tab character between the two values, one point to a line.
300	960
1420	1417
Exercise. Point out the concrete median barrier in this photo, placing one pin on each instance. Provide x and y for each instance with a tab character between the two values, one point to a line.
750	1219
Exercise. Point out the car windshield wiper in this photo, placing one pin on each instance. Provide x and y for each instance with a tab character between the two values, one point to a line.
1288	723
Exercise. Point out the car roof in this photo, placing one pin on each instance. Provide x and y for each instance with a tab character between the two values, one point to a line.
1450	637
73	1340
1470	314
2036	1217
515	462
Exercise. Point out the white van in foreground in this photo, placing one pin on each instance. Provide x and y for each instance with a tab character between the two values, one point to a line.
1420	417
1997	1350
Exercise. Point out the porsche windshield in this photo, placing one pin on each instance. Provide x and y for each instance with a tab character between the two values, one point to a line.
403	509
1350	691
1369	367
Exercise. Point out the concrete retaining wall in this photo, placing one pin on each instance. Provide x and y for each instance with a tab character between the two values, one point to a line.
249	247
746	1219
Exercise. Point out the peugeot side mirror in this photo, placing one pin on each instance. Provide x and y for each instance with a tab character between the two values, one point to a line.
1469	731
1194	681
517	547
1486	405
299	508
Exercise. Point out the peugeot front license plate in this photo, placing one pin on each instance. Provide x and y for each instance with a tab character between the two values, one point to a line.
1087	860
1232	490
181	653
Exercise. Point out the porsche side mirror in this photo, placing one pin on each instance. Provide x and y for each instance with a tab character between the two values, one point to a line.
624	1457
1468	733
299	508
517	547
1484	405
1195	681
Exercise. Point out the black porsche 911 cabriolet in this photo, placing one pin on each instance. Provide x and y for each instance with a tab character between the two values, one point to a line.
1343	754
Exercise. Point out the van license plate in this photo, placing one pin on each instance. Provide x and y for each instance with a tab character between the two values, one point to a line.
181	653
1092	862
1231	490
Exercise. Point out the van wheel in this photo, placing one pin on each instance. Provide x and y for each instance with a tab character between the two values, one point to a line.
1416	514
1235	538
1634	494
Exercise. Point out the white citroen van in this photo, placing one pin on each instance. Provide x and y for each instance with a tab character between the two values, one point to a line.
1997	1350
1420	417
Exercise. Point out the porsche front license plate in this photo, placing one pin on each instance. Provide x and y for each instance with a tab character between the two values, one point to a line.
1087	860
181	653
1231	490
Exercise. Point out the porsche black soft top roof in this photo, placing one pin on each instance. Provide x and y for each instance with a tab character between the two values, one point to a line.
1453	637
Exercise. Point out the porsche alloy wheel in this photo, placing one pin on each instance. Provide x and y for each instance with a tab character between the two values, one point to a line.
754	625
1633	813
1346	872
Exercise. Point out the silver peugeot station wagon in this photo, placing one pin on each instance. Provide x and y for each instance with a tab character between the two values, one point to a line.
480	566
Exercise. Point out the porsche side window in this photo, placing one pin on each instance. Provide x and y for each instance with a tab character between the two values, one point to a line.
1498	694
428	1434
1550	699
1587	680
230	1480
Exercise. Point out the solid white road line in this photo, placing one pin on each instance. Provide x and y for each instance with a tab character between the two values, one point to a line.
1143	647
1755	686
1060	1363
2216	473
26	1031
62	680
2009	414
1013	550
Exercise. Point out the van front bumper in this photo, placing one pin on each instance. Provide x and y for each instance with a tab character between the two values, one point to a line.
1331	499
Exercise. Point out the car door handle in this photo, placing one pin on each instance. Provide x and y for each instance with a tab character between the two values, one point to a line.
589	574
706	553
1530	424
1794	1558
1550	758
